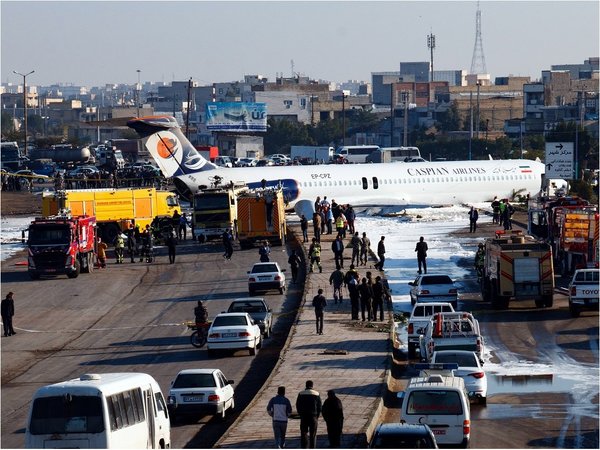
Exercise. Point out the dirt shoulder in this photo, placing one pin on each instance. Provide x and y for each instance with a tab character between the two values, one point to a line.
20	203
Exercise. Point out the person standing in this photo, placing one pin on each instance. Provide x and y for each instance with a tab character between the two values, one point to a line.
336	279
380	254
329	220
379	292
171	242
479	261
319	303
294	262
264	251
333	413
280	409
304	228
339	224
355	244
314	253
131	243
119	248
495	211
350	217
317	226
8	311
365	248
101	250
366	299
227	243
337	246
308	405
421	249
473	216
183	225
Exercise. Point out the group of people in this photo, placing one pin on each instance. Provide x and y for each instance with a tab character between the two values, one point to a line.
502	212
309	408
326	216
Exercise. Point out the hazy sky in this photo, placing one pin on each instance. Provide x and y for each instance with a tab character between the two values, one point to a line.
93	43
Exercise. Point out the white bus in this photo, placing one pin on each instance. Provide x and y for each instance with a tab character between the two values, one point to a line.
395	154
109	410
356	153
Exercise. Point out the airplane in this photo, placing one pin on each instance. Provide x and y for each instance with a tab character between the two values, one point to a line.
397	183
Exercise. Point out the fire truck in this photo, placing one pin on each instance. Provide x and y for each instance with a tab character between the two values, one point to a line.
517	267
261	216
61	244
215	210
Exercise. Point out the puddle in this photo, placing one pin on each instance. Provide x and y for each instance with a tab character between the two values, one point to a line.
504	384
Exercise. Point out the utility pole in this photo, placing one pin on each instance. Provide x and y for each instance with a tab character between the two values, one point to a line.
391	114
478	117
343	118
406	97
138	87
471	124
431	46
187	113
24	105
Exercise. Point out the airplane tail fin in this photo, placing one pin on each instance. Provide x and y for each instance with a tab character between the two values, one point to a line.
172	151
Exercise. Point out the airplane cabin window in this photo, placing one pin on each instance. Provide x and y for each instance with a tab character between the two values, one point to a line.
364	183
375	183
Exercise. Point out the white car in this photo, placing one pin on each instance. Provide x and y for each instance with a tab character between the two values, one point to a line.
265	276
247	162
433	288
203	391
233	331
469	369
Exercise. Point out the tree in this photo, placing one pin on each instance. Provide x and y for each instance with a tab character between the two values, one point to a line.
450	120
281	134
8	124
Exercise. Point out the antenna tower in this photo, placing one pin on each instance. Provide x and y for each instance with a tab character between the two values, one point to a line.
478	61
292	64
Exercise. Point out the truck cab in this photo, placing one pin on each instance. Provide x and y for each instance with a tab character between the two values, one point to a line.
584	291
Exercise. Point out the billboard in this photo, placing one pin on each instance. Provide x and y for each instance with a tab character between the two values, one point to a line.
236	116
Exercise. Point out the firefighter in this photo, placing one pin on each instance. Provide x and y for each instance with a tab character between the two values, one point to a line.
119	248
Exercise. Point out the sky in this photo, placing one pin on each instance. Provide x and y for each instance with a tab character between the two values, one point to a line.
94	43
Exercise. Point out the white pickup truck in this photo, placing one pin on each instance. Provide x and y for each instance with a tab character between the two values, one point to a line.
583	291
419	318
451	331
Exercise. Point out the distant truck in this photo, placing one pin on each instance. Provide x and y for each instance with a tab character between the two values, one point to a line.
64	153
261	216
61	244
315	153
451	331
109	157
114	209
419	319
517	267
584	291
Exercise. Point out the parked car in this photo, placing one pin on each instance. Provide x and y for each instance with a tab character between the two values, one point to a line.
403	435
26	174
433	288
265	276
203	391
264	163
233	331
247	162
469	369
77	172
258	310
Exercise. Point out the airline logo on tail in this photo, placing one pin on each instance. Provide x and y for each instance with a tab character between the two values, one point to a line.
173	155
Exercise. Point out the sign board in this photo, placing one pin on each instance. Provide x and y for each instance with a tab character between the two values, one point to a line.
559	160
236	116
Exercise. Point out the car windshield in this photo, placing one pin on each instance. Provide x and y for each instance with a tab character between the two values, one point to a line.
398	440
264	268
462	359
250	307
191	380
437	279
430	310
228	321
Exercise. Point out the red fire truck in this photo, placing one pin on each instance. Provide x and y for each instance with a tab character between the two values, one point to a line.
61	244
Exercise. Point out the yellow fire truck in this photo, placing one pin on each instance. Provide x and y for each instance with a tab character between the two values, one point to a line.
261	216
114	208
215	210
517	267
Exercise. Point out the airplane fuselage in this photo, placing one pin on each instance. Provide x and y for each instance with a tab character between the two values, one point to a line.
422	183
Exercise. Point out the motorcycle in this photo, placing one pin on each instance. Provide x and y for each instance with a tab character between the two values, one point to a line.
200	334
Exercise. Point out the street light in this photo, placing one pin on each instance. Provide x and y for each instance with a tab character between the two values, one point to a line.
24	104
343	117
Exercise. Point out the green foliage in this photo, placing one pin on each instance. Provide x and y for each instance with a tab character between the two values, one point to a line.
584	190
282	134
8	126
450	120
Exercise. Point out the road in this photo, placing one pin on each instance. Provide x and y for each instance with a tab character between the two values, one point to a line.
130	317
542	368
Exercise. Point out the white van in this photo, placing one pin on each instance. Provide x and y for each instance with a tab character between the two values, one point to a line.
109	410
442	402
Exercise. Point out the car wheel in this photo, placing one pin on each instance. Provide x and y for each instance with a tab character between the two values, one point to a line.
574	310
34	276
412	351
412	301
281	289
260	342
223	413
268	331
250	292
211	353
232	405
75	273
483	401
